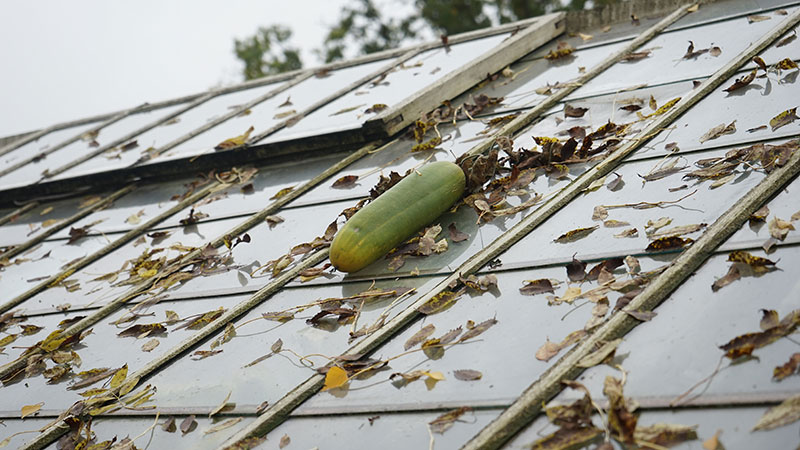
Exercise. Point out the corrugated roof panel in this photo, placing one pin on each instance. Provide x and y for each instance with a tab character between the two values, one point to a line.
270	112
155	248
762	100
36	170
49	140
349	111
188	383
172	129
528	85
667	61
388	431
42	261
44	216
504	354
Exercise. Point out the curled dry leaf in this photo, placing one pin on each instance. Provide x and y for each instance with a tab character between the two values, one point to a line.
345	182
455	234
742	81
571	111
719	130
779	228
783	119
534	287
576	234
446	420
787	369
576	271
234	142
188	425
548	350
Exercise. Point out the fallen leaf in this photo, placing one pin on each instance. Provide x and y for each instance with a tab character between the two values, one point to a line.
787	369
599	355
455	234
150	345
548	350
644	316
742	81
719	130
576	234
439	302
233	142
713	443
345	182
188	425
777	416
576	271
285	440
467	375
779	228
667	243
571	111
756	18
534	287
419	336
282	193
221	406
28	410
335	378
784	118
446	420
223	425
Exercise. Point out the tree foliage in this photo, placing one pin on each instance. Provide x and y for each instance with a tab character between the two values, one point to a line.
363	28
267	52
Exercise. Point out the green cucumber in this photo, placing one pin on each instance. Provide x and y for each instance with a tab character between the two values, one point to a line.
417	200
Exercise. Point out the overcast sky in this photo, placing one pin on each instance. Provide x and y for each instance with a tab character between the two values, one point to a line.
64	60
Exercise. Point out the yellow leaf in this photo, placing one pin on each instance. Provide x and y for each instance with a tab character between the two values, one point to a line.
235	141
27	410
49	223
119	377
128	385
438	376
46	210
336	377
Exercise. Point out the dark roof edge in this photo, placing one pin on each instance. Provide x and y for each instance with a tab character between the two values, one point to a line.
259	155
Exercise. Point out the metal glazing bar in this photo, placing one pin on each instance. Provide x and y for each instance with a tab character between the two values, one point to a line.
43	153
128	236
542	107
386	68
229	115
87	156
101	204
529	404
13	215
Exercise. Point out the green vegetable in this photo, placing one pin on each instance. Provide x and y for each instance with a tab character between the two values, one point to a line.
417	200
